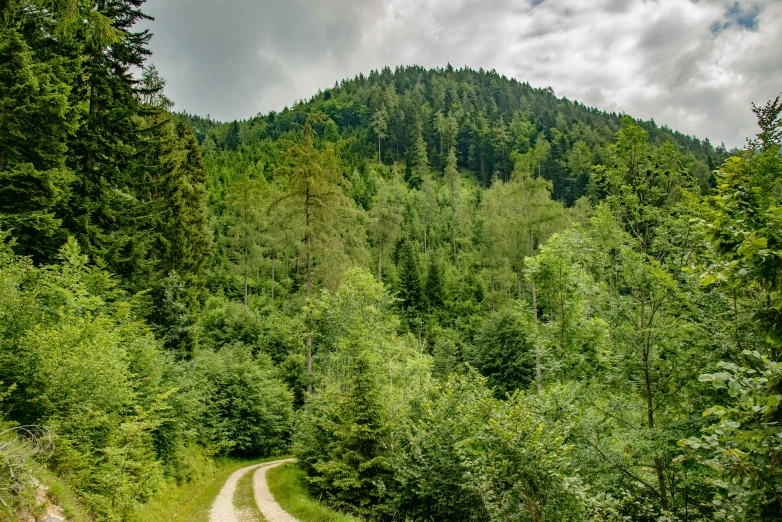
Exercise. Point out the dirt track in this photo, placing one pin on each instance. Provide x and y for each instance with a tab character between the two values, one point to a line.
223	507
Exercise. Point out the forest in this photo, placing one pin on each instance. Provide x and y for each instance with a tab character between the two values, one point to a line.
450	295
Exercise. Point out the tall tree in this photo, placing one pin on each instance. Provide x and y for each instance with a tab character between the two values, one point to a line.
36	118
454	192
379	124
434	290
386	220
411	287
314	193
231	141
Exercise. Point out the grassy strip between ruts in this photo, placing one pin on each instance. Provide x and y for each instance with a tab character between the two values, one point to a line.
244	500
289	489
192	500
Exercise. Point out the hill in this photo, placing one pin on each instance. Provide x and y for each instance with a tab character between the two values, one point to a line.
485	116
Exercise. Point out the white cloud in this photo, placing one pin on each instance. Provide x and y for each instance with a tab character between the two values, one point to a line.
693	65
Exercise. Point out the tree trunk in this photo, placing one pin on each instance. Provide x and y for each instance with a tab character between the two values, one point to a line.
453	233
309	360
380	262
309	282
273	261
309	238
90	159
650	402
535	315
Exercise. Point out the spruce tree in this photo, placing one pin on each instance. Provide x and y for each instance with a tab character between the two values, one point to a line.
106	213
231	141
35	120
411	289
434	291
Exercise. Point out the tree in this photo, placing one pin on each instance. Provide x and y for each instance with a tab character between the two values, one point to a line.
742	445
314	195
452	181
245	215
518	463
379	124
314	191
36	118
103	152
642	191
505	350
410	286
536	213
386	220
231	141
433	290
427	206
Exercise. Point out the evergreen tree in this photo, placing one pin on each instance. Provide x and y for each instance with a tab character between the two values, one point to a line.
36	120
411	288
105	212
434	291
386	221
231	141
380	127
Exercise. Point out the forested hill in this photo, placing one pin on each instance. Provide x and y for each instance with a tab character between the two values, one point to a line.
485	116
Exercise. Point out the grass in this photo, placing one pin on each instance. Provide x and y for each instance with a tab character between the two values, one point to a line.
244	500
62	495
287	484
192	500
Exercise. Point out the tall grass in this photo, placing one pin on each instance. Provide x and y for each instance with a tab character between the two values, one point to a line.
289	488
192	500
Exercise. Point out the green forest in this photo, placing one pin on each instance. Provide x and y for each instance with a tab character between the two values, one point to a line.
450	295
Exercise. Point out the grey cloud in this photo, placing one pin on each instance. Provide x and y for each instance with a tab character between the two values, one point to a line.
658	59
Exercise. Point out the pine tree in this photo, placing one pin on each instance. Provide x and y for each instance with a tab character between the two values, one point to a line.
435	293
379	124
386	221
231	141
35	120
314	197
353	478
411	289
105	212
452	180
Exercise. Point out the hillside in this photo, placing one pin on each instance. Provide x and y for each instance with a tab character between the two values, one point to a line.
448	295
484	116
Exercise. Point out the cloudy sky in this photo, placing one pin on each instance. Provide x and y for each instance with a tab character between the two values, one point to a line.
695	65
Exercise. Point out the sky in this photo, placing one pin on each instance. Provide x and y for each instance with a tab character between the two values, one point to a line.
694	65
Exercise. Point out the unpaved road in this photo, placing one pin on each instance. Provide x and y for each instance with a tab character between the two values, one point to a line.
223	506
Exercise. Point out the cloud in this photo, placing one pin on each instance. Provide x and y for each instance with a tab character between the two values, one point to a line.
693	65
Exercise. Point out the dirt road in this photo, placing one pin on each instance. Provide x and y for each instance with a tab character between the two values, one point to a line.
223	506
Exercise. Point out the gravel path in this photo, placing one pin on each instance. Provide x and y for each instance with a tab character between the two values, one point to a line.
263	497
223	506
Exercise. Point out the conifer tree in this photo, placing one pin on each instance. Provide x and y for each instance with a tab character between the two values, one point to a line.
104	213
379	124
386	221
35	120
411	288
452	181
231	141
434	291
427	207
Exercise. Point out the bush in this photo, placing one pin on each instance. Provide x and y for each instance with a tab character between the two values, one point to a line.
248	409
